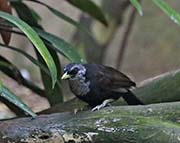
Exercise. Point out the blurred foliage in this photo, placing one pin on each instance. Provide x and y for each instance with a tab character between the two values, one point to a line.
137	5
46	49
47	46
173	14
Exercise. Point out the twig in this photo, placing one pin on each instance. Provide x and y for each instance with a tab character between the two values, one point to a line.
125	38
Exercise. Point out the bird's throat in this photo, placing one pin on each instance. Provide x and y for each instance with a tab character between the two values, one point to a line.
79	87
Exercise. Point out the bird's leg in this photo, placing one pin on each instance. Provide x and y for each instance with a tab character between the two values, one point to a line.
105	102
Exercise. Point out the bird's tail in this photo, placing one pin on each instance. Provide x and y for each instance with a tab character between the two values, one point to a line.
131	99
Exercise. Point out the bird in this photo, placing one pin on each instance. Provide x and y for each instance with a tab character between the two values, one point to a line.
99	85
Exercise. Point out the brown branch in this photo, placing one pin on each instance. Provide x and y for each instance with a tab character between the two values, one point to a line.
126	124
125	38
115	11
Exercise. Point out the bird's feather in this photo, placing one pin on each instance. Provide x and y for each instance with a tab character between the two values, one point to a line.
107	77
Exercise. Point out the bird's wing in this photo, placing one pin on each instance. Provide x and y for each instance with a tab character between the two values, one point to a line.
107	77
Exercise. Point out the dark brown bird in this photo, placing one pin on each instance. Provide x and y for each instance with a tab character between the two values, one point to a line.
99	85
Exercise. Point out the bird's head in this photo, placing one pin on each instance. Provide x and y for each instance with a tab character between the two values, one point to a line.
73	71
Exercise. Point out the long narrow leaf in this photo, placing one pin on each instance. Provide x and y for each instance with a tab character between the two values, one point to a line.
137	5
64	17
32	35
91	8
32	59
54	95
11	97
27	15
174	16
61	46
13	72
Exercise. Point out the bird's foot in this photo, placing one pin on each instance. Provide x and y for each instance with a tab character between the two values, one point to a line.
104	104
98	107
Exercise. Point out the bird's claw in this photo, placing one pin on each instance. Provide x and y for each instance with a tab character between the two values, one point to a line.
97	108
105	103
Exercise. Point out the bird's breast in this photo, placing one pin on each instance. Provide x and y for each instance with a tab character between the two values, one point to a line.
79	87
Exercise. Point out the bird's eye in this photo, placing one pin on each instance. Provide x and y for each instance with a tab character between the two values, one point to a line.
74	71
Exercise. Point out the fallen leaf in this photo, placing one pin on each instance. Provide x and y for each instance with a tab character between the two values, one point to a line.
6	7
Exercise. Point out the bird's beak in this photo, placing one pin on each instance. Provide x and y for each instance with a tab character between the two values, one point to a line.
65	76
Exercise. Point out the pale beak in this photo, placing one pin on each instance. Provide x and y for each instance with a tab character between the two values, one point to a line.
65	76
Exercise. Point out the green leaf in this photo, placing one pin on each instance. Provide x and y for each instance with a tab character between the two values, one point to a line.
32	59
35	15
174	16
9	69
64	17
28	14
13	72
90	8
11	97
32	35
137	5
61	46
54	95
